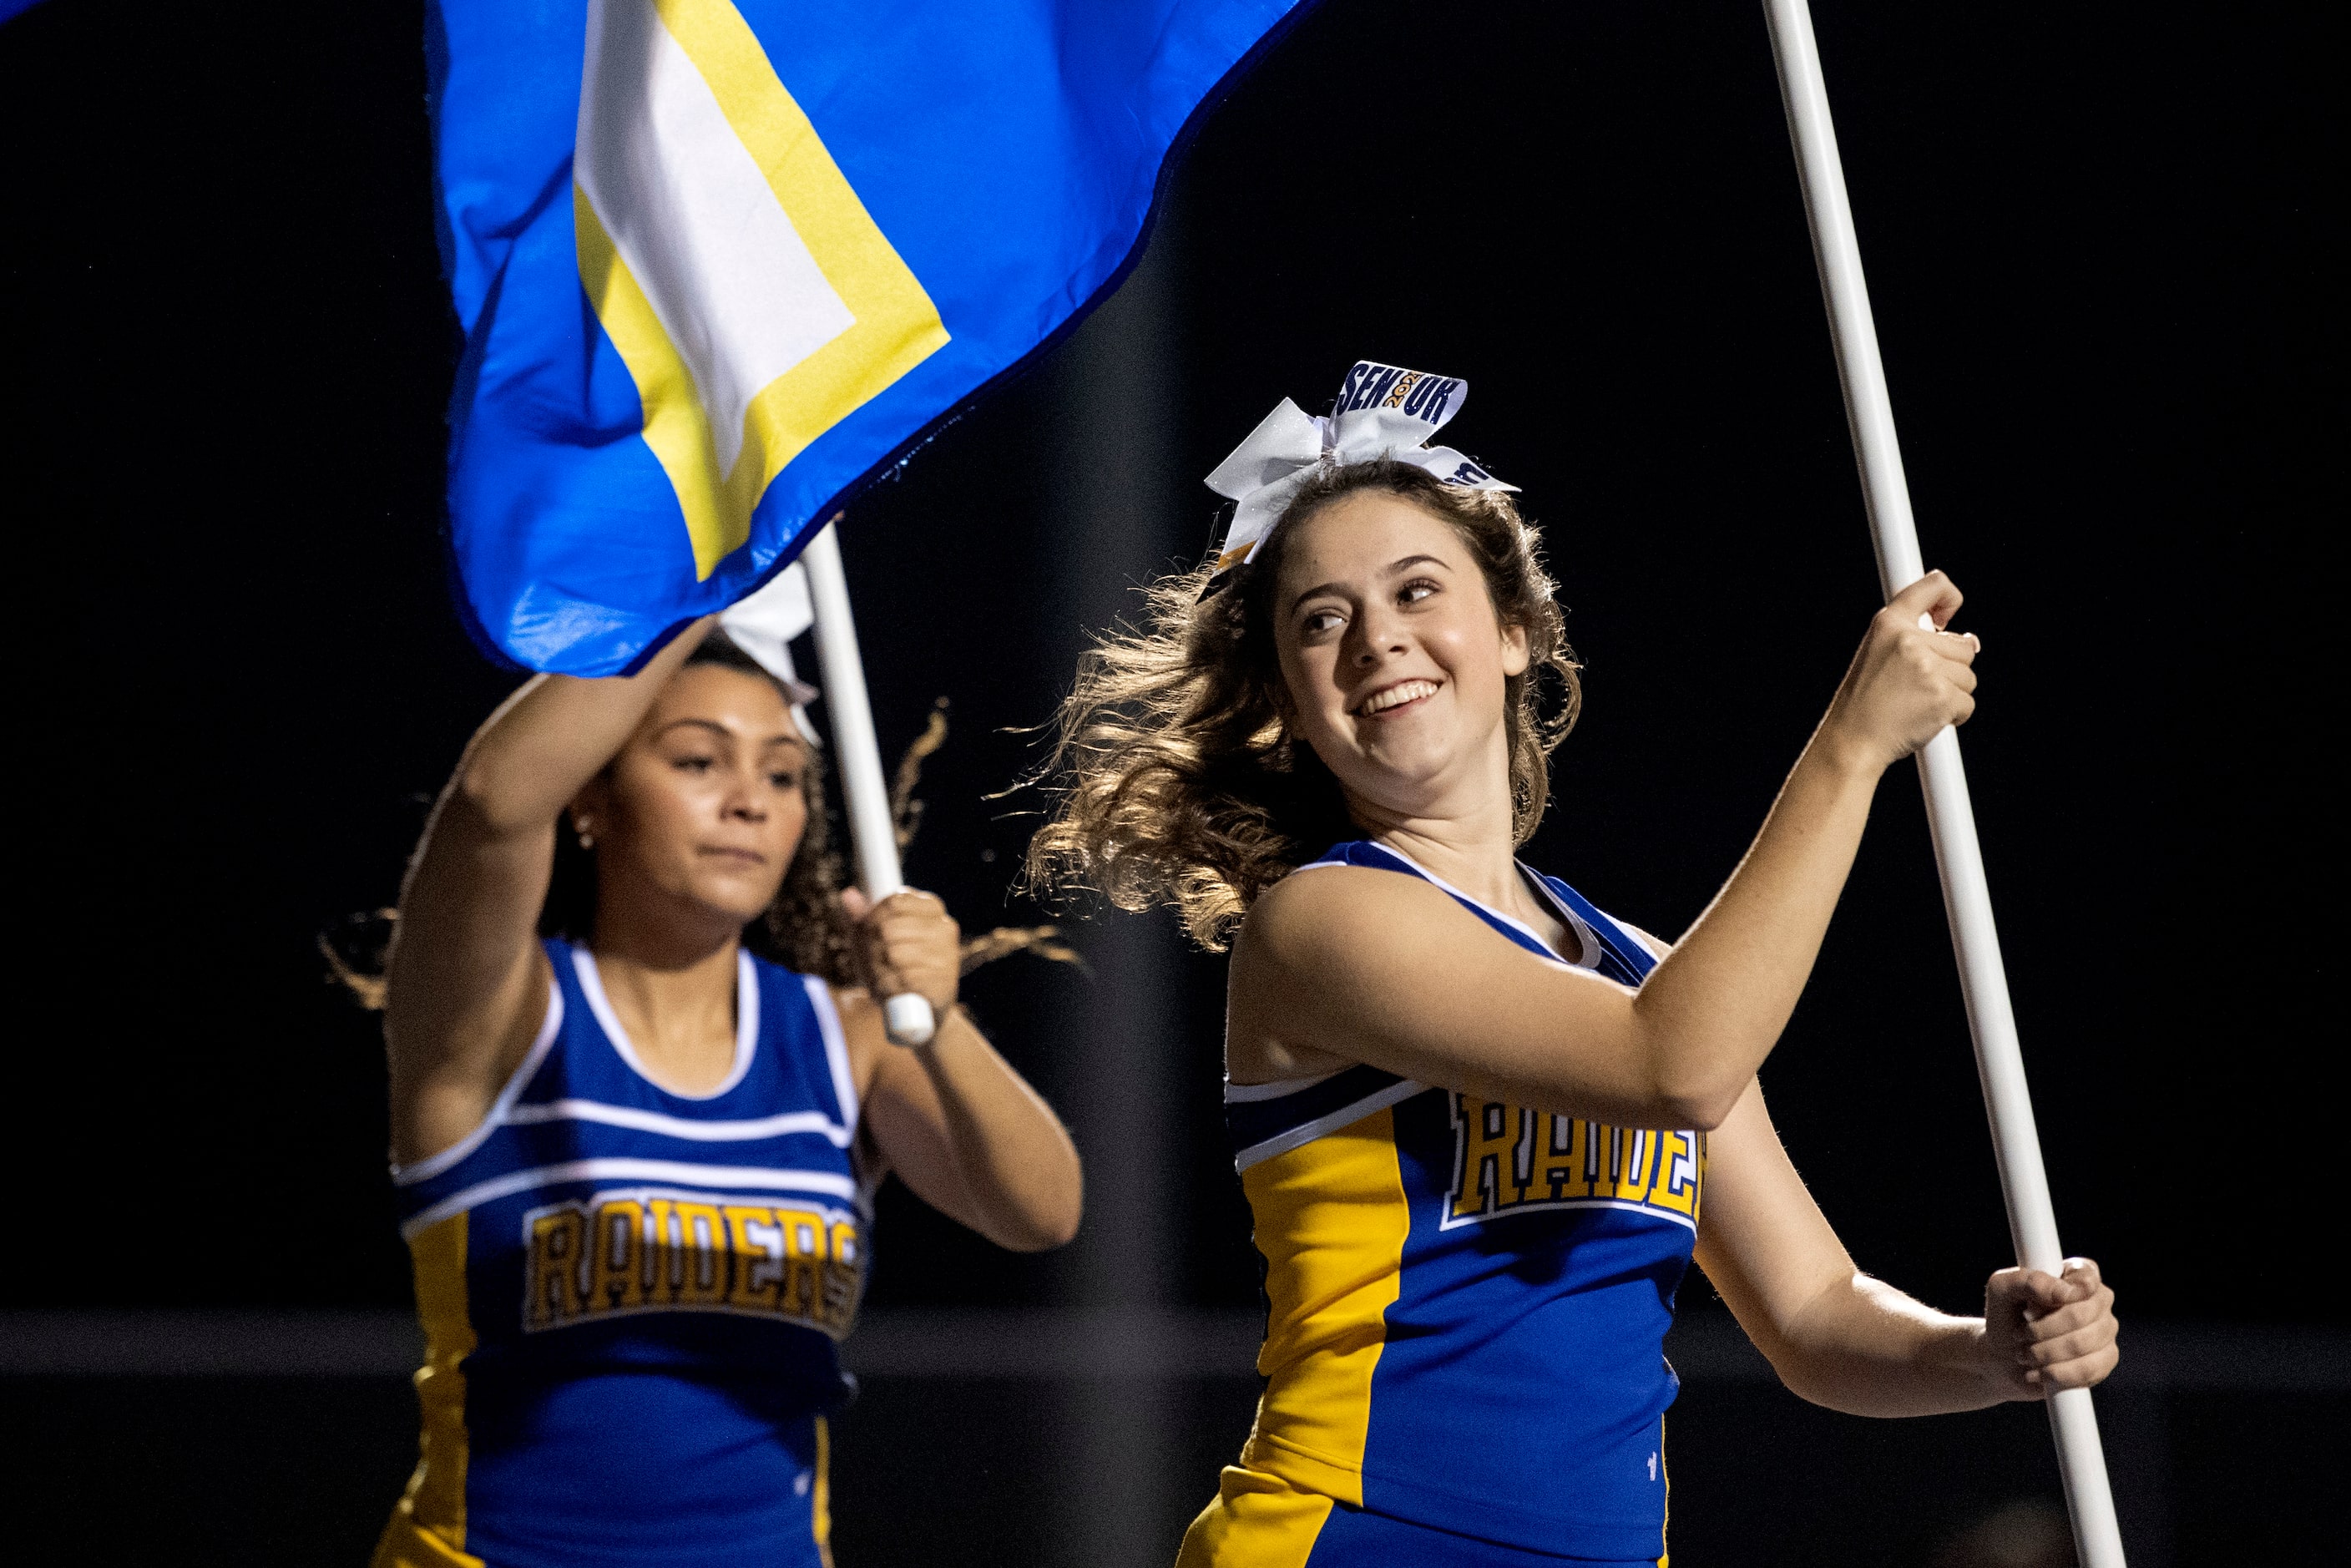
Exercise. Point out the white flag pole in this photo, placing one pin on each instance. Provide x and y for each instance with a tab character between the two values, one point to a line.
2033	1223
864	796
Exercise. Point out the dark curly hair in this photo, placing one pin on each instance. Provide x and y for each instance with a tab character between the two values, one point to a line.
1177	780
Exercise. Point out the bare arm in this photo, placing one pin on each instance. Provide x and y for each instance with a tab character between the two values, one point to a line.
967	1133
467	980
1839	1338
1371	966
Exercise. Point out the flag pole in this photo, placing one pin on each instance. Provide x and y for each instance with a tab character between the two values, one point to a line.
864	797
1967	900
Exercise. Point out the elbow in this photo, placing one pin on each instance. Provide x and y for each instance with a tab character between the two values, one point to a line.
1843	1391
1816	1390
1044	1239
484	799
1699	1108
1689	1084
1048	1219
1804	1377
1038	1233
1057	1225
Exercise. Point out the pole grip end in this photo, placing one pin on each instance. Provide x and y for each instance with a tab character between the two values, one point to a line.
908	1020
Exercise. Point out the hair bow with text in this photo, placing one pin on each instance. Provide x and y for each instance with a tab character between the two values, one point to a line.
1383	410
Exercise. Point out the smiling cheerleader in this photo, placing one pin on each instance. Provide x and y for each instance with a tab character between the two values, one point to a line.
1482	1126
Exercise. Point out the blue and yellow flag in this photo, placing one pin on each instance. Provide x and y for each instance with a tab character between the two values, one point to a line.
718	260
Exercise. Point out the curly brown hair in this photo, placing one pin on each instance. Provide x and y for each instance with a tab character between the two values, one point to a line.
1177	780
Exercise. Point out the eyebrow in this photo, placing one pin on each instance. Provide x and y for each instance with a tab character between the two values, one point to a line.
1393	567
725	734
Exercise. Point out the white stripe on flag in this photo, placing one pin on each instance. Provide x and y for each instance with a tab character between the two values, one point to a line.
694	218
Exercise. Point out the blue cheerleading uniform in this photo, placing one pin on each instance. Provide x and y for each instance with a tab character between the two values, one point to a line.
1465	1308
632	1299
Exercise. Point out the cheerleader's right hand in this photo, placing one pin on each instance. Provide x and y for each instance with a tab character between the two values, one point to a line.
1910	681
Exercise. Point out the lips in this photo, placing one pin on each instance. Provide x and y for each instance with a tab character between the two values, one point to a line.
1395	697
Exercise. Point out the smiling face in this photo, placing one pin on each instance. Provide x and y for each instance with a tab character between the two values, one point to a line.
701	811
1393	659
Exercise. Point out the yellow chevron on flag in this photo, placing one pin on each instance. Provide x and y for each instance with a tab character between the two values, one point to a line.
752	296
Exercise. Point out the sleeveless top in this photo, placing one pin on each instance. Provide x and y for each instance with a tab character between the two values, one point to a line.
633	1298
1467	1300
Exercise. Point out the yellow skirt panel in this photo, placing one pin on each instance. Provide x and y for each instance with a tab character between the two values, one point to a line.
1332	1221
427	1528
1258	1520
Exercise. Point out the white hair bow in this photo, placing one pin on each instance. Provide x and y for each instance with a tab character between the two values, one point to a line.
1382	411
763	625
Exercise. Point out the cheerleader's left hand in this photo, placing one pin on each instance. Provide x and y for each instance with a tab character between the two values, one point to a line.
2042	1334
911	943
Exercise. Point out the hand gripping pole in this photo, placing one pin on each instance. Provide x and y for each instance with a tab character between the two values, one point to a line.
864	796
1966	899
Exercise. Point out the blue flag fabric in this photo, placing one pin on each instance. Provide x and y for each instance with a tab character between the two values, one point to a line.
716	263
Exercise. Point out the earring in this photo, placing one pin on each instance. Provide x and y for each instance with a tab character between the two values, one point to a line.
586	833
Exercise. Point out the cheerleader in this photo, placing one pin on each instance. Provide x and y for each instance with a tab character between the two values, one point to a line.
641	1100
1481	1125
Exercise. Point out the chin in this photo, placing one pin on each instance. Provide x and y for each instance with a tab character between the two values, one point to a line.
1406	762
735	902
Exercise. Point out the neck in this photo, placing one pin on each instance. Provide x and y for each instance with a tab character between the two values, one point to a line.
673	983
1463	834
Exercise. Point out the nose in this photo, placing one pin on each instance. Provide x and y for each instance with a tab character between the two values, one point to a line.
1379	633
744	802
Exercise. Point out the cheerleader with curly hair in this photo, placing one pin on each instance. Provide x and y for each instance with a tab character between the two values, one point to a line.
1482	1126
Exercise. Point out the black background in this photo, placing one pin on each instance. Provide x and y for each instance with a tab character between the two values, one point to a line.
2108	315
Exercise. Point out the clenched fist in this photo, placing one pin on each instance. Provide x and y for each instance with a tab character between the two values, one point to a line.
911	943
2042	1334
1909	681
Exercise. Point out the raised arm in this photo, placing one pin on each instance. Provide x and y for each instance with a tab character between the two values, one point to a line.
1840	1338
467	981
1368	966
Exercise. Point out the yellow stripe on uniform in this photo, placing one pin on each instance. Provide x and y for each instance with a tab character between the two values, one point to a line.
1664	1558
427	1528
1339	1205
820	1505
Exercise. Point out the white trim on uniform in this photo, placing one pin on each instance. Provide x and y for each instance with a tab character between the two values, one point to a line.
1588	959
1307	1132
629	1116
836	1051
746	1021
1244	1093
1584	934
747	1178
1447	1221
549	1027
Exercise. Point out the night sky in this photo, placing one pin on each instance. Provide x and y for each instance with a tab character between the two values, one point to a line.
2092	234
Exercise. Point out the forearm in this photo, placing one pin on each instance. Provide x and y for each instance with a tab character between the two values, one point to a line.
1864	1347
547	740
1018	1169
1711	1011
463	964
